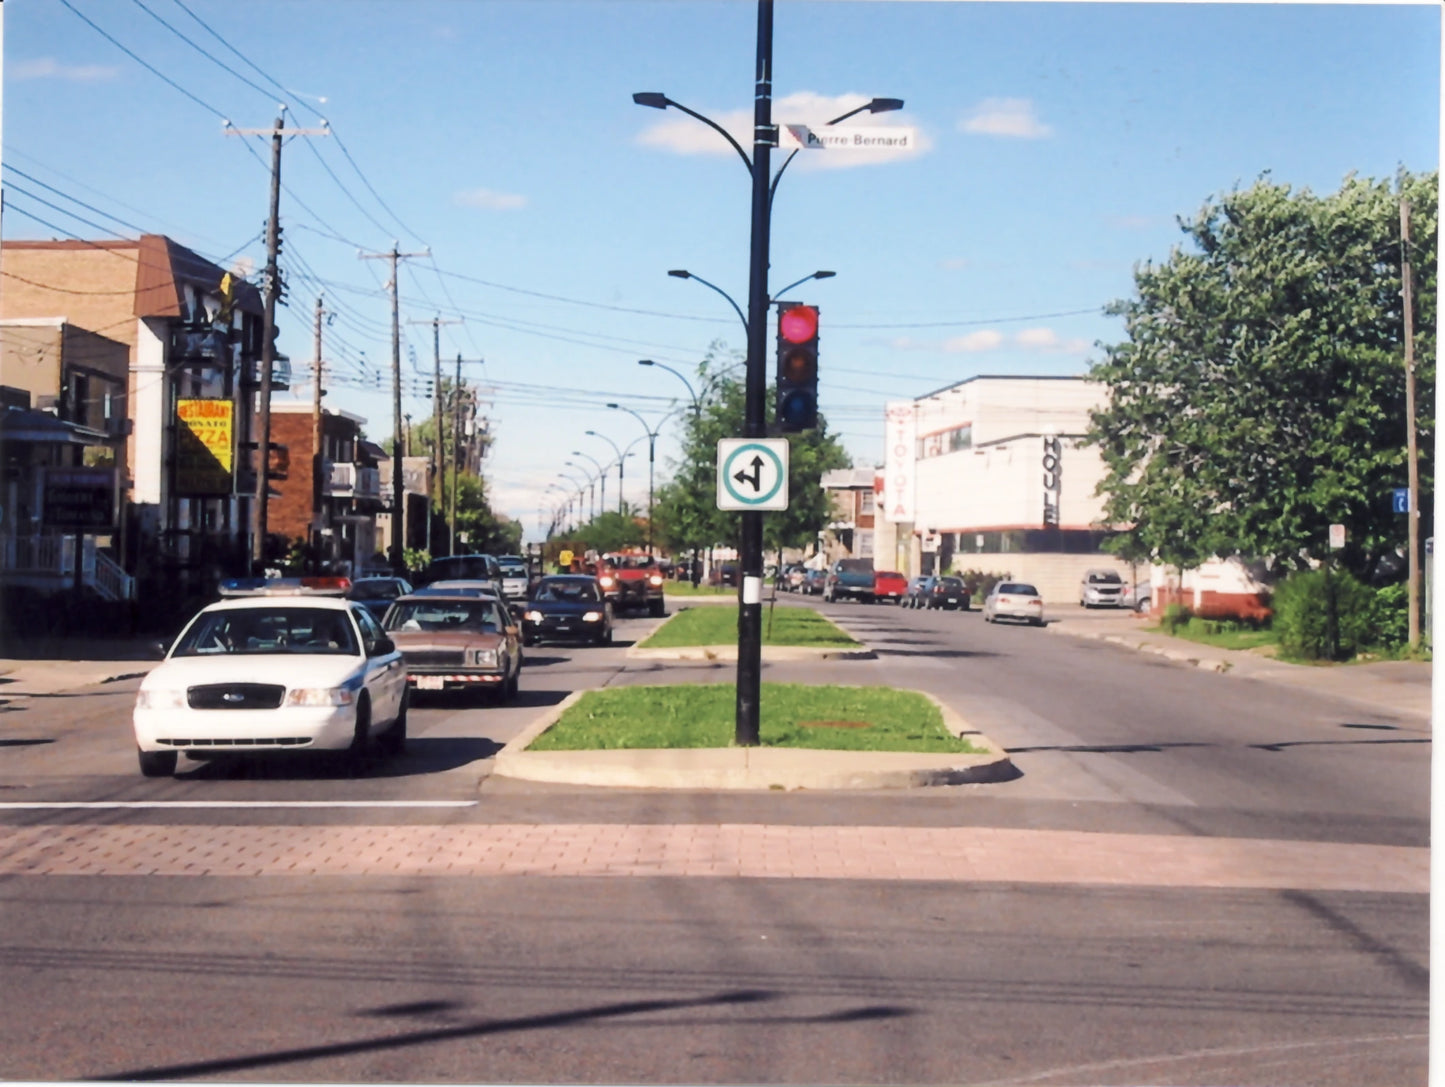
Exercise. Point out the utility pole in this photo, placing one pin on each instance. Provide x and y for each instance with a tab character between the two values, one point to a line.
398	492
456	458
318	455
750	583
1411	453
438	462
271	290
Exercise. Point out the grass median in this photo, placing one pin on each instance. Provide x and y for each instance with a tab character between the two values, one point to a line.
790	715
718	625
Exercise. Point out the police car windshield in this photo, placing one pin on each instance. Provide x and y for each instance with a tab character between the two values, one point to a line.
269	630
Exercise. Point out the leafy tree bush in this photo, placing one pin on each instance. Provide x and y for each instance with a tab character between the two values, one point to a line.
1302	615
1259	394
978	583
1391	618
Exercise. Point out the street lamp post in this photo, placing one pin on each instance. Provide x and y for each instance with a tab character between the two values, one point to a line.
620	456
765	137
590	486
601	478
651	461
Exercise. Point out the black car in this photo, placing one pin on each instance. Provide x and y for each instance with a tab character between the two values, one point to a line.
375	594
943	593
567	608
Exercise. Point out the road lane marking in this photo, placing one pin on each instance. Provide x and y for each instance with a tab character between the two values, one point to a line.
89	805
934	854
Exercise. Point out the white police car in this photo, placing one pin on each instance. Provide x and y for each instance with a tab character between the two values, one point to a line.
278	665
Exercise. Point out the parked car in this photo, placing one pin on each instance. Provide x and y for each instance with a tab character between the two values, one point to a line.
1014	600
567	608
1138	596
792	577
849	579
273	670
1101	589
943	593
375	594
457	642
813	582
724	573
912	596
889	585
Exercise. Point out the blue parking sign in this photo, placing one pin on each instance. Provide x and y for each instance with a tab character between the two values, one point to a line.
1402	500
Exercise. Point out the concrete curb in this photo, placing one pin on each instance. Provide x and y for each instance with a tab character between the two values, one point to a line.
770	653
1180	656
758	768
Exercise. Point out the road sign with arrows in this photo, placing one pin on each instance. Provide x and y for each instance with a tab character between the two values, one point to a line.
752	474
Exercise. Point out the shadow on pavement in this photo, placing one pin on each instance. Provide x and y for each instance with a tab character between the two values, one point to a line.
424	755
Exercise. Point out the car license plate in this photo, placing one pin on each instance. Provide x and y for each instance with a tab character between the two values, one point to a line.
430	683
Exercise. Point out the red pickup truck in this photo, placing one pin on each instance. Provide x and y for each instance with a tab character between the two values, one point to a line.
631	580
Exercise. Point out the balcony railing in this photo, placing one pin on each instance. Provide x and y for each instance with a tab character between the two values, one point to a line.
346	480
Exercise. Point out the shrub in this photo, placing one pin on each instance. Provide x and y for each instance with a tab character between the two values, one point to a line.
980	584
1174	617
1302	606
1391	618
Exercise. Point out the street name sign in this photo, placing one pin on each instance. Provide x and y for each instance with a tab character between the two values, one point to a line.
752	474
867	138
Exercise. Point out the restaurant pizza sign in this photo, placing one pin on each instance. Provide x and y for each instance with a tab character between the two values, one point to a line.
205	447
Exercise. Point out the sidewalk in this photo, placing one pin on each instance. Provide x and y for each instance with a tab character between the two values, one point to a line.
73	663
1402	687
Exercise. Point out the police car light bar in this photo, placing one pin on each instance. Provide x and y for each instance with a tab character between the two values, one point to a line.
285	586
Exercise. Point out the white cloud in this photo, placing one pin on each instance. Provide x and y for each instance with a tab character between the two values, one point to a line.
1047	340
1013	117
684	135
953	264
983	340
50	68
489	199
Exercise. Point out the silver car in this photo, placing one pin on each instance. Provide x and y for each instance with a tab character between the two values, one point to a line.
1102	588
1014	600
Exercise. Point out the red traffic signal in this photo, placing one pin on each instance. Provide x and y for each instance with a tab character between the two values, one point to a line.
797	375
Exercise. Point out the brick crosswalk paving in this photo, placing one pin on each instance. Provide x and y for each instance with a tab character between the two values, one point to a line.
972	854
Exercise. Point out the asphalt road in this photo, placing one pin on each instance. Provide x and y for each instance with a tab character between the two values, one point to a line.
1136	979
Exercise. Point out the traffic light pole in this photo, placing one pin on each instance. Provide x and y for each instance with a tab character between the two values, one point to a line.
750	587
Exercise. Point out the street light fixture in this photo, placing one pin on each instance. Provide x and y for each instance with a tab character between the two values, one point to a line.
591	485
601	476
651	459
683	273
620	456
765	137
878	105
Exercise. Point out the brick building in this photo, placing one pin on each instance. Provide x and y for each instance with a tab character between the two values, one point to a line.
157	347
330	500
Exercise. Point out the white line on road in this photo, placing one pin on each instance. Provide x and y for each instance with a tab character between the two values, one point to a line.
24	805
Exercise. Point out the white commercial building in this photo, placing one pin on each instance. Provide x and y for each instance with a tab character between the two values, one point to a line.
992	474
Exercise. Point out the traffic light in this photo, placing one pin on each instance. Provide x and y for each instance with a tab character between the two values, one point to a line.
797	403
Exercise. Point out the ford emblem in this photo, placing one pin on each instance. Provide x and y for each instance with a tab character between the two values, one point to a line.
233	698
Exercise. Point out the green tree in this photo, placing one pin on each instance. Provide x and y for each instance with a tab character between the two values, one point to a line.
686	512
1259	396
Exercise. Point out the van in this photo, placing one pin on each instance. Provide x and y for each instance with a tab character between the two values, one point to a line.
463	568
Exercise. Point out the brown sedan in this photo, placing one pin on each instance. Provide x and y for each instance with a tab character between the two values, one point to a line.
457	643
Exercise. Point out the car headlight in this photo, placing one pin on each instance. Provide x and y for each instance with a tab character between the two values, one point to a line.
532	616
605	582
160	699
320	696
484	658
592	617
654	580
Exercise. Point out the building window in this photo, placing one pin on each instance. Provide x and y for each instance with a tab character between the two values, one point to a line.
946	441
866	506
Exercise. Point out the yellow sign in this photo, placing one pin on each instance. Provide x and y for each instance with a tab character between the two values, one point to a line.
564	560
205	446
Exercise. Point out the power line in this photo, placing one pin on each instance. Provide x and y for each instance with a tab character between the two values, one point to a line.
219	63
154	71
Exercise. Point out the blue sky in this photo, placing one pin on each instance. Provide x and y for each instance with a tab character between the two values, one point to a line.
1057	144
